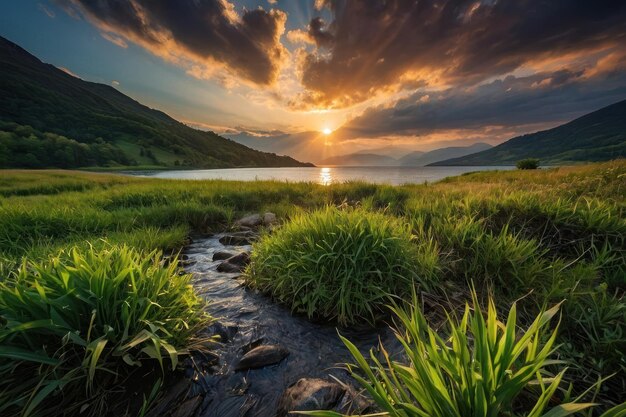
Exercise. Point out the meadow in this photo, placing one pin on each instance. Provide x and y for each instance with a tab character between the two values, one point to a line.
537	238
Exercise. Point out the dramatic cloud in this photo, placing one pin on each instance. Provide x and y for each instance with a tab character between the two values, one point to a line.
208	37
389	71
377	46
513	103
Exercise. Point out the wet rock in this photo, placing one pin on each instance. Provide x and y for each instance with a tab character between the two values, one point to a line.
236	239
269	218
252	220
262	356
241	259
223	255
229	267
310	394
235	263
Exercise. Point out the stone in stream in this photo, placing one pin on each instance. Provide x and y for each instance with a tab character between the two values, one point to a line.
223	255
269	219
241	259
235	263
236	239
310	394
262	356
229	268
252	220
255	220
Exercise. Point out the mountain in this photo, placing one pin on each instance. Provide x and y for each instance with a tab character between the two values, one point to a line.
415	158
360	159
597	136
393	151
49	118
420	159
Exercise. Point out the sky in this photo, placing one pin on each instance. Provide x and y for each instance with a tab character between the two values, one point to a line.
317	78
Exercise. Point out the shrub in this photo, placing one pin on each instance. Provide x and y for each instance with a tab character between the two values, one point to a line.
341	264
479	369
528	163
74	326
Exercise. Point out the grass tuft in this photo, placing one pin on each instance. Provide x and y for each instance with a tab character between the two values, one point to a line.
480	368
79	324
341	264
537	236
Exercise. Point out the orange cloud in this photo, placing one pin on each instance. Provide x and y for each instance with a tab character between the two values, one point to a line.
207	37
114	39
372	48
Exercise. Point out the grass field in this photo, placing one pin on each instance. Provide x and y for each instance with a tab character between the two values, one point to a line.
542	237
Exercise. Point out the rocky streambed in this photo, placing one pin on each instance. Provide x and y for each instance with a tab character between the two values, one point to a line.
269	361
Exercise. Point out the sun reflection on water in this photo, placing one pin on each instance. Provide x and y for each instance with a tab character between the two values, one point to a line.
326	176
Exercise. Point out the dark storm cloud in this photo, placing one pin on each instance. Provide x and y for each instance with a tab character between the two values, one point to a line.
204	32
378	45
512	102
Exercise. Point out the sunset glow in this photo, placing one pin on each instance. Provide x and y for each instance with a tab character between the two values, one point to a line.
273	173
326	176
274	75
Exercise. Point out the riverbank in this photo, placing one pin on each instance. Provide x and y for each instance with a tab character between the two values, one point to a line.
554	234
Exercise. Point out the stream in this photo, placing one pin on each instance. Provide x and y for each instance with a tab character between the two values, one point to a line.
247	319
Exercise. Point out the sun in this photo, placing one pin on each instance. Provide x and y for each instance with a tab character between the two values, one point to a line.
327	131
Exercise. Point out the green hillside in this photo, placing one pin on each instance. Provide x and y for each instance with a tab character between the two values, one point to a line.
597	136
420	159
51	119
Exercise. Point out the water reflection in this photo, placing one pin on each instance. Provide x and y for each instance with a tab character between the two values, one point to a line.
326	176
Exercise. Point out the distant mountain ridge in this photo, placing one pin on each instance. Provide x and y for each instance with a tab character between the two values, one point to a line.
415	158
49	118
596	136
424	158
360	159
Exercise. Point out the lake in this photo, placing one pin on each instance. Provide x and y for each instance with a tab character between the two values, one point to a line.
325	175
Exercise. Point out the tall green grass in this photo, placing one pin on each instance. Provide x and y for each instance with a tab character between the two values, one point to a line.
341	264
85	323
595	339
482	367
542	236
